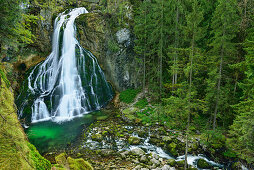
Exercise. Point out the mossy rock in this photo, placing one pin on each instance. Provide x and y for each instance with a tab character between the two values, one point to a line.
154	141
133	140
130	110
102	117
171	162
180	163
172	149
78	164
203	164
61	159
166	139
97	137
236	165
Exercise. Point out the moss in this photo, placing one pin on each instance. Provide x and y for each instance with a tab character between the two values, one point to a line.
172	149
171	162
40	162
15	151
97	137
133	140
203	164
61	159
78	164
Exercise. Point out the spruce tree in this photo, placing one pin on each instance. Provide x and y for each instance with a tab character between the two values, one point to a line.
224	25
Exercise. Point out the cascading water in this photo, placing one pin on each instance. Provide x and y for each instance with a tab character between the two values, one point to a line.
68	83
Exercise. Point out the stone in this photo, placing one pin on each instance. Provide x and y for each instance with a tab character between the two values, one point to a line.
133	140
107	152
155	155
203	164
166	139
143	159
155	162
123	35
138	167
124	154
171	162
79	164
137	151
166	167
172	149
154	140
144	169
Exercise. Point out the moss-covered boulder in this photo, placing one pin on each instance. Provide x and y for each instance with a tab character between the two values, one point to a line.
133	140
180	163
97	137
203	164
171	162
78	164
64	163
172	148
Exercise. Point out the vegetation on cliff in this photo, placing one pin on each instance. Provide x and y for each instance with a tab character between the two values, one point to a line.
15	151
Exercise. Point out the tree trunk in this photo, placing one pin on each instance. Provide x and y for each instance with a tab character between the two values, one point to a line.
161	47
189	100
218	88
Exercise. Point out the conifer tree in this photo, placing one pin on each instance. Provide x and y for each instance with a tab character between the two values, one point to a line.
194	33
224	25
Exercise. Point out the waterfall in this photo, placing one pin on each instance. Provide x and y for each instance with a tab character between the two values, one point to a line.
68	83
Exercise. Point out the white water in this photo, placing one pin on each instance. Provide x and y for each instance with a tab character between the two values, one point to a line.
58	79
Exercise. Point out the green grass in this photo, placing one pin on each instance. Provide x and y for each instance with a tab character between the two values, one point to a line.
128	95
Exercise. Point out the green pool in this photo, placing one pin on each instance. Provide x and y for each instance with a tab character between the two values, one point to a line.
50	136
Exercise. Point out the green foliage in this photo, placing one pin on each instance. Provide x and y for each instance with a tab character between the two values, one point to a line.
142	103
128	95
113	46
40	162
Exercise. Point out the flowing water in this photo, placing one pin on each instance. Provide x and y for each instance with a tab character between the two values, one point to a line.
69	83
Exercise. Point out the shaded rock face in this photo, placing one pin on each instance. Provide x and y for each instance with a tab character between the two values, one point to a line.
113	49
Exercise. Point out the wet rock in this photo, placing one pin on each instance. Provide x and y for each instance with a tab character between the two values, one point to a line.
137	151
203	164
134	140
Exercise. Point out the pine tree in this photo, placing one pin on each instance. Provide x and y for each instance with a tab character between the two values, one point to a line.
224	25
194	33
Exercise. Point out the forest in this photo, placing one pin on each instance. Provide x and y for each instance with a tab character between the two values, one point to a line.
193	60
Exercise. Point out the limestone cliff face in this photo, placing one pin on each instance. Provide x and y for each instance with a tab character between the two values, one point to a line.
15	151
113	49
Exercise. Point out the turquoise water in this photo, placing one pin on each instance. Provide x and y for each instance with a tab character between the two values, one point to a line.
50	136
